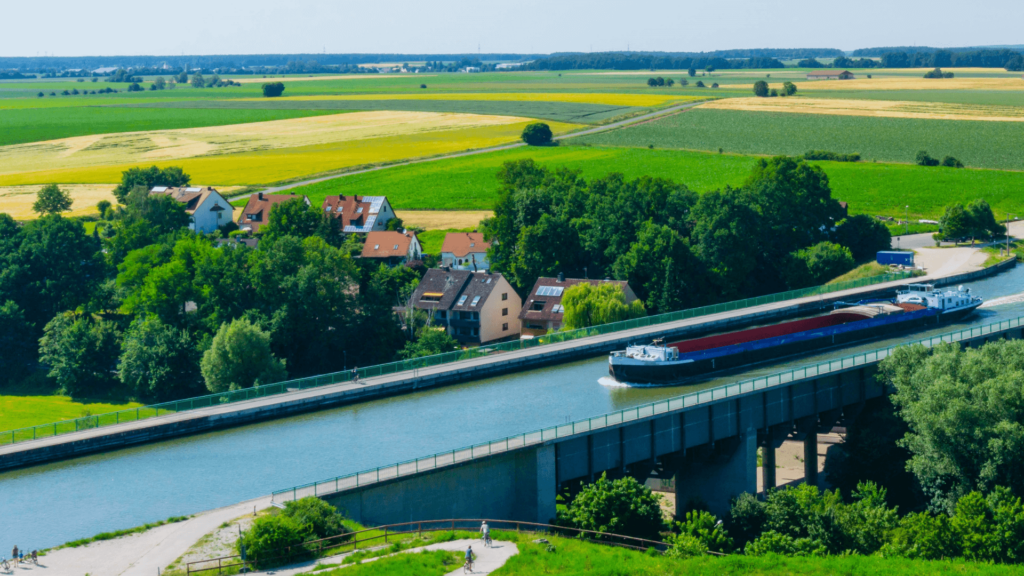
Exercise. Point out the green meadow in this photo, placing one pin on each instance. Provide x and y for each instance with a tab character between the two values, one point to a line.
977	144
470	183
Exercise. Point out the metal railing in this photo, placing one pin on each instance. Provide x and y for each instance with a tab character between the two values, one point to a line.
442	459
337	544
145	412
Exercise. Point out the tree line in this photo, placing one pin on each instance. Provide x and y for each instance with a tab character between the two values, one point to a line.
641	61
677	249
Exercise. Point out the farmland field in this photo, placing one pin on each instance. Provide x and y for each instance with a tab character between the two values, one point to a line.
17	200
977	144
874	108
469	183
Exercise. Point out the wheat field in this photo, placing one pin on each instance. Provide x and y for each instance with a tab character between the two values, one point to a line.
876	108
641	100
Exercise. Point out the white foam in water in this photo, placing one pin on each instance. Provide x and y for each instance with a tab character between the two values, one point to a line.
1014	298
613	383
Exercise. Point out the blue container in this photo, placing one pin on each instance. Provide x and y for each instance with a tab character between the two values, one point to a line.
892	257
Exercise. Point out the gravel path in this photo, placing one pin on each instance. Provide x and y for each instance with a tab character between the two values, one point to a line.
487	559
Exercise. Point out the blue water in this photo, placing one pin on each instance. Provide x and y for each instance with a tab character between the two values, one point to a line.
50	504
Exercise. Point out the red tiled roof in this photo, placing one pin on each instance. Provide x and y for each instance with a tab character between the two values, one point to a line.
347	208
461	244
256	213
387	244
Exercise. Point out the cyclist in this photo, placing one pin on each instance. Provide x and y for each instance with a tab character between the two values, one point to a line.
469	561
485	532
35	557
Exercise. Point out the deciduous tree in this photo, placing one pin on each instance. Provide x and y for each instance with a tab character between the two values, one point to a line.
240	357
51	200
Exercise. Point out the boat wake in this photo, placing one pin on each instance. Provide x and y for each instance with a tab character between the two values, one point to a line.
613	383
1011	299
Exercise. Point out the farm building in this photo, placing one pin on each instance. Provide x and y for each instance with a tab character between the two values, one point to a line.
256	213
830	75
205	206
543	310
392	248
474	307
360	214
465	251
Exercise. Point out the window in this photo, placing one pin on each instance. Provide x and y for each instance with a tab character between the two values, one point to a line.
549	291
537	305
251	217
359	210
462	299
327	208
558	309
476	300
396	246
431	298
472	244
504	311
376	246
504	296
504	327
339	209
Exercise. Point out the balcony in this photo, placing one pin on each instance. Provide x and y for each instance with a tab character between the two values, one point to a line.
460	323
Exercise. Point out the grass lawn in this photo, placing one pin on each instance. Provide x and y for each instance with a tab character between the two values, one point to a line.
432	240
469	183
866	270
24	411
978	144
434	563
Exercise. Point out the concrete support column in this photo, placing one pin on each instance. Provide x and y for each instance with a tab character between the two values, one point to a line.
811	457
547	485
715	476
768	461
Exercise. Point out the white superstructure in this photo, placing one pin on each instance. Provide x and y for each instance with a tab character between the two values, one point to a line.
944	301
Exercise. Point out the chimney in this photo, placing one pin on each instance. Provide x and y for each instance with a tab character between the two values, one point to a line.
260	196
561	277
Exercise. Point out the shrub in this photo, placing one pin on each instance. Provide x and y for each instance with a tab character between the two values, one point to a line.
831	156
622	506
537	134
685	546
715	85
923	159
773	93
789	88
267	543
706	528
273	89
760	89
423	85
952	162
316	519
700	84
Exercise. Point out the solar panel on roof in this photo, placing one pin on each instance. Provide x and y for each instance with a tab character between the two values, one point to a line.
375	202
160	189
549	291
192	189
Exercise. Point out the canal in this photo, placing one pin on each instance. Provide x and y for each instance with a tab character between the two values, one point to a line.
47	505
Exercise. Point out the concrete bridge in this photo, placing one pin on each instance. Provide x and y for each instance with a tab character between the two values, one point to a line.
707	440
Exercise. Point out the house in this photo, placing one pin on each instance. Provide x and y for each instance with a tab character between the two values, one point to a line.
542	312
392	247
236	242
830	75
256	213
205	206
465	251
474	307
359	214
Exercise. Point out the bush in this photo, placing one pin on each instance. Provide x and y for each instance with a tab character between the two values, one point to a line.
789	88
622	506
819	264
273	89
537	134
951	162
706	528
715	85
924	159
134	87
760	89
316	519
831	156
267	543
685	546
699	84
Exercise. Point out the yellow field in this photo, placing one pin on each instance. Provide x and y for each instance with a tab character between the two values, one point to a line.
919	83
17	200
263	152
643	100
439	220
315	78
879	108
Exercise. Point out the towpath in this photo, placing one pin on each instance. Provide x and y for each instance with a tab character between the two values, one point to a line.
595	130
487	559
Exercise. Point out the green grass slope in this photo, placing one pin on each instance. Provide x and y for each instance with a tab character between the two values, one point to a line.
977	144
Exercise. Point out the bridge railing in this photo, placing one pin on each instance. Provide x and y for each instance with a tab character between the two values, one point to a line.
485	449
144	412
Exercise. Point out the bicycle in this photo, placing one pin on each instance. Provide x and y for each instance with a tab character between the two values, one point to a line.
5	564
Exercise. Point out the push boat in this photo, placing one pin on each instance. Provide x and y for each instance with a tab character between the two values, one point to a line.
660	364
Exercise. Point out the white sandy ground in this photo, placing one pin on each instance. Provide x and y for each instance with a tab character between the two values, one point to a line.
140	554
487	559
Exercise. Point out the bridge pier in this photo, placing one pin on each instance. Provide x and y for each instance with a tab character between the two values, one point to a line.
714	476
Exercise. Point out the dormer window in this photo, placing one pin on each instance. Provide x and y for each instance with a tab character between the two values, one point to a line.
359	210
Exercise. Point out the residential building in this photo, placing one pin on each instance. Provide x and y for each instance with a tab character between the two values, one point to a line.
465	251
830	75
474	307
205	206
256	213
543	310
392	247
359	214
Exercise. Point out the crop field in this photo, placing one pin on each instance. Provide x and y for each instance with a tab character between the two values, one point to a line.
875	108
977	97
41	124
468	220
977	144
646	100
17	200
469	183
259	153
915	83
566	112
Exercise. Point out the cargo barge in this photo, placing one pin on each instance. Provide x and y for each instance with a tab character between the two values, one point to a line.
660	364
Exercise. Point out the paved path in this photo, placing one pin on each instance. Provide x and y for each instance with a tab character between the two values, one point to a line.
612	126
487	559
140	554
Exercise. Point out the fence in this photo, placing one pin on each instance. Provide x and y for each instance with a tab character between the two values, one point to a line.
337	544
373	476
131	415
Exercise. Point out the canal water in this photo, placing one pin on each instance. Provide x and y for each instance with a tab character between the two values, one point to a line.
47	505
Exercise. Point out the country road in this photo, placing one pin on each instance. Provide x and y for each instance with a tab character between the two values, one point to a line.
596	129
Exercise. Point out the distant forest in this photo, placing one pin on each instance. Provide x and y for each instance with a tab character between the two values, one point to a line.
641	61
875	52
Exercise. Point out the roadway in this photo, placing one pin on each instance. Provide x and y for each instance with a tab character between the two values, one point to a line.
595	130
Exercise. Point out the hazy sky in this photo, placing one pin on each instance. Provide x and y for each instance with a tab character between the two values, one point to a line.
115	27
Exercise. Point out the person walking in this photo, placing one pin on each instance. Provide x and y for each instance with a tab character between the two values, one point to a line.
485	533
14	555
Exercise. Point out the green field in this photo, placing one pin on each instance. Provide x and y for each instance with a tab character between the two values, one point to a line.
24	411
977	144
555	111
985	97
469	183
36	125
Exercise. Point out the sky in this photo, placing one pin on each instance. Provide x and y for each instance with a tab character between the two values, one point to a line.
131	27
